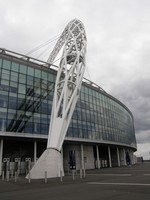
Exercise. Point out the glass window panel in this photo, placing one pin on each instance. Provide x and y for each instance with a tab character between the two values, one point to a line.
6	64
21	104
85	133
44	75
11	114
23	69
3	100
14	76
50	77
2	124
90	92
29	105
70	132
44	108
15	67
29	127
86	90
75	132
37	82
12	102
22	78
44	129
54	76
22	96
36	128
82	88
13	95
37	91
0	62
5	76
37	118
37	73
5	84
44	84
30	71
4	92
30	80
22	89
13	84
3	112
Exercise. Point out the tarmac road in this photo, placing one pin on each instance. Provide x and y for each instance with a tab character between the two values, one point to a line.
124	183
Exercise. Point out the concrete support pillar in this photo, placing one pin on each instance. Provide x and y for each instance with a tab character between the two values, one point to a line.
35	151
124	155
1	155
118	157
82	157
109	156
131	157
97	154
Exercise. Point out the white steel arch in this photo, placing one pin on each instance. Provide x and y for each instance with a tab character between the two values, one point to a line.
67	87
68	81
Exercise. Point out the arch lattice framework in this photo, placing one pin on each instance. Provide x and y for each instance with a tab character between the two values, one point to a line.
67	87
68	81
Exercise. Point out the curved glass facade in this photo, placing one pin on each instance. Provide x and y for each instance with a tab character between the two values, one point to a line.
26	94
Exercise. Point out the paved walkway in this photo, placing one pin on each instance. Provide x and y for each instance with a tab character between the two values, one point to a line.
125	183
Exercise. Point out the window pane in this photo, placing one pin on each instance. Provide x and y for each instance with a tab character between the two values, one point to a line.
5	74
14	76
6	64
50	77
22	78
3	101
0	62
44	75
23	69
30	71
22	89
15	67
37	73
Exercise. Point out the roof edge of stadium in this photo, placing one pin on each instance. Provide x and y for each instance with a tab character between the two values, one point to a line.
40	62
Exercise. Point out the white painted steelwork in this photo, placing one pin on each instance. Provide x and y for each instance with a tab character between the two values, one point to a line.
68	81
66	93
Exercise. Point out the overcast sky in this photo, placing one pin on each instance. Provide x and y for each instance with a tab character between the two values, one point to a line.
118	51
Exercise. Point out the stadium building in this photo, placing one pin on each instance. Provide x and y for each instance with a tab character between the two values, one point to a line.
101	132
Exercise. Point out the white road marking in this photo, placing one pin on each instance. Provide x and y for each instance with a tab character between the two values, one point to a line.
126	184
110	174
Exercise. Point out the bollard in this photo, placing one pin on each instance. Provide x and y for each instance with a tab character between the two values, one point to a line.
61	179
7	176
68	169
45	175
29	177
15	177
73	177
12	173
3	175
80	173
84	173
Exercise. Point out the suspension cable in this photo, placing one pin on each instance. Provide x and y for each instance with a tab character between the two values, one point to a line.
42	45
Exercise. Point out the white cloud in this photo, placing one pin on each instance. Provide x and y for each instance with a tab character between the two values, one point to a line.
143	150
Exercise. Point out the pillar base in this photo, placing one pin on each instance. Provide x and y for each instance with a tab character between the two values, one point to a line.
50	162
